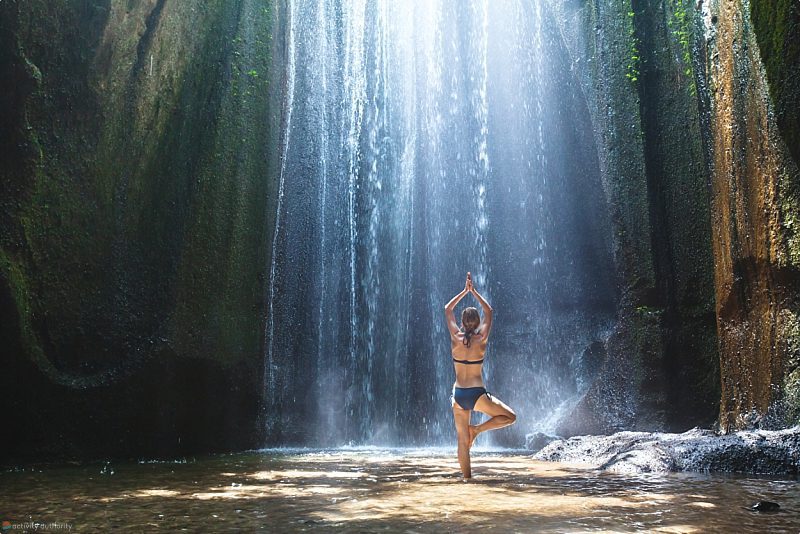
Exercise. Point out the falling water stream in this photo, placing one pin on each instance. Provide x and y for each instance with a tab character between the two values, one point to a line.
422	140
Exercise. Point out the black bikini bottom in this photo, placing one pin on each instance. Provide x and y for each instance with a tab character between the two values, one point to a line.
467	397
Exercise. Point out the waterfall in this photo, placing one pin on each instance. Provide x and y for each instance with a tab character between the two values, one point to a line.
272	382
421	140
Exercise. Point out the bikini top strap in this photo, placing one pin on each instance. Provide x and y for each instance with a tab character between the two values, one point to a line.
468	361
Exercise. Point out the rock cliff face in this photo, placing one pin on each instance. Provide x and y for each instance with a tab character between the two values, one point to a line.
135	139
661	364
699	157
753	74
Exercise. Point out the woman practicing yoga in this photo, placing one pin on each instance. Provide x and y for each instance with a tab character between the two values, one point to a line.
468	345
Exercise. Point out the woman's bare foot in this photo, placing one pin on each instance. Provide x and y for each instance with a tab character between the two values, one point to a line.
473	433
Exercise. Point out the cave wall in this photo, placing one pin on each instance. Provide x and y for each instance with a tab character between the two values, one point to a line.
753	74
695	105
135	138
660	369
678	206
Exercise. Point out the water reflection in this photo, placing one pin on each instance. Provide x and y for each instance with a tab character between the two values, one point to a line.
383	490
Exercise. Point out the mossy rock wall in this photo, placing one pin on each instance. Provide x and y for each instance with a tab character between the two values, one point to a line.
699	156
752	70
661	367
678	172
776	24
137	145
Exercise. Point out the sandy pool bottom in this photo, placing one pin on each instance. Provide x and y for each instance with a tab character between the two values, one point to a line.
383	490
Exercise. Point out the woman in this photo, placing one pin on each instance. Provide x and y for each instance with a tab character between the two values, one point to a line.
468	345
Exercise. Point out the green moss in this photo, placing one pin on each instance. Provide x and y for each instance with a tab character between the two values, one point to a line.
789	198
789	397
776	24
648	310
132	243
680	23
14	275
633	64
228	210
143	223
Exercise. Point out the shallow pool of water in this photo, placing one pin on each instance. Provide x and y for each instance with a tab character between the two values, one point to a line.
384	490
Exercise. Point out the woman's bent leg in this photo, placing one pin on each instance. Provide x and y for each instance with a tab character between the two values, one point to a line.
500	414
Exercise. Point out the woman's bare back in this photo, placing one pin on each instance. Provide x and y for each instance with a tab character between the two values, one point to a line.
468	375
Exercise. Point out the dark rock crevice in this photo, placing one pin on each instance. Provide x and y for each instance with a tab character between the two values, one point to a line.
142	49
679	211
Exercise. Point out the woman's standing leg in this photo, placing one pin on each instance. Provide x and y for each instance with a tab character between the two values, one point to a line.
461	418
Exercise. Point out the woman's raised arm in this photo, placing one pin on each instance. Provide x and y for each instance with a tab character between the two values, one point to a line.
487	311
452	325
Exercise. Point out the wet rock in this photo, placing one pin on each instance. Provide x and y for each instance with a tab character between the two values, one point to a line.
756	269
538	440
592	360
766	506
762	451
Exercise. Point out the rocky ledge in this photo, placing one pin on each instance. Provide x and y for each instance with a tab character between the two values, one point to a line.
758	452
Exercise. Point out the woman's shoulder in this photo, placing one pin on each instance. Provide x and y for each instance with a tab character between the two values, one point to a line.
477	342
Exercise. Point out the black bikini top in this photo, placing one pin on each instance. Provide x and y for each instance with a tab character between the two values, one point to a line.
468	361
